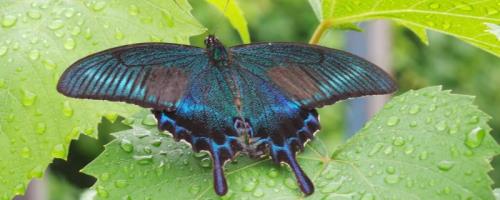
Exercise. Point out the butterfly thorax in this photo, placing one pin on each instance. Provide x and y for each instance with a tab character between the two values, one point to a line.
216	52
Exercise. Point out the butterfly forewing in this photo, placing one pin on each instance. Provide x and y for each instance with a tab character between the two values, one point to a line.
152	75
311	75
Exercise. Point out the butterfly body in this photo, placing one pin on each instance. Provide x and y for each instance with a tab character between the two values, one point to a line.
259	99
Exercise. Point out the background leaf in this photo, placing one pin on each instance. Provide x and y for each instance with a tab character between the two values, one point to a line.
466	20
424	144
234	14
38	40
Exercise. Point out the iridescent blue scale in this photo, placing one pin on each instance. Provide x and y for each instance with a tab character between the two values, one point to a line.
258	99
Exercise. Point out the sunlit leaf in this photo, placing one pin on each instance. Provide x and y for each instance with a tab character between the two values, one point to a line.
38	40
235	16
424	144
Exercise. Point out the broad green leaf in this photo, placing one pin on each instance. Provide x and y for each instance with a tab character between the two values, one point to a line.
466	20
234	14
38	40
424	144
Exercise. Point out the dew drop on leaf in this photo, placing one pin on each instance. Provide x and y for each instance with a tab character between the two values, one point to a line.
133	10
2	83
121	183
376	148
20	189
34	54
391	179
398	141
3	50
206	162
104	176
392	121
56	25
258	193
475	137
69	12
67	109
126	145
9	21
250	185
474	120
98	6
58	151
147	149
441	126
69	44
273	173
414	109
144	159
49	64
28	98
101	192
368	196
26	152
40	128
390	170
34	14
156	142
194	189
290	183
445	165
36	172
119	35
149	120
423	155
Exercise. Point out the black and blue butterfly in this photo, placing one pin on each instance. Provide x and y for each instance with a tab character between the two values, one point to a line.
259	99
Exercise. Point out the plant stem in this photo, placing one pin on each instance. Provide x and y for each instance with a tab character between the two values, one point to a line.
320	30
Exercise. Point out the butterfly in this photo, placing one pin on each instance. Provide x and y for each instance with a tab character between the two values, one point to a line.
259	99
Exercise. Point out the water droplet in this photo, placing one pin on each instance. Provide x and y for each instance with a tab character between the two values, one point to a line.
69	44
445	165
19	189
101	192
58	151
69	12
423	155
433	107
441	126
56	25
390	170
133	10
28	98
464	6
434	6
149	120
491	11
119	35
446	25
121	183
273	173
206	162
40	128
392	121
26	152
104	176
144	159
391	179
194	189
49	64
9	21
376	148
126	145
168	19
368	196
200	154
475	137
414	109
34	14
67	109
36	172
3	50
34	54
98	6
398	141
388	150
147	149
290	183
156	142
2	83
251	185
409	149
258	193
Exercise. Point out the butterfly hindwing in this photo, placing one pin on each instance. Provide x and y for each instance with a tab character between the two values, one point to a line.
311	75
151	74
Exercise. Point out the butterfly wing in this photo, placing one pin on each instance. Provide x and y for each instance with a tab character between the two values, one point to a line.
313	76
282	83
153	75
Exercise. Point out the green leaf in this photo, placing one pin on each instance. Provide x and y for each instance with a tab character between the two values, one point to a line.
38	40
424	144
234	14
466	20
